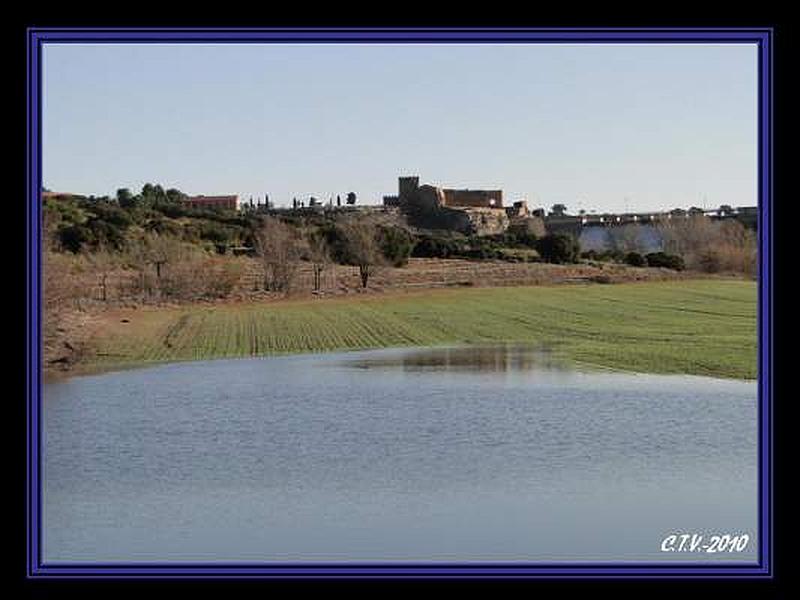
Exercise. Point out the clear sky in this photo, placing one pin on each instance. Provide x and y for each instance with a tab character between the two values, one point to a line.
606	127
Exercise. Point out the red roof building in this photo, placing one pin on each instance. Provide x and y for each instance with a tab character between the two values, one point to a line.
223	202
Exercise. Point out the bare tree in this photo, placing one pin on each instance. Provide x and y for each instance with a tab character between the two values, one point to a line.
61	281
686	237
279	250
627	238
320	257
363	249
162	253
711	246
103	263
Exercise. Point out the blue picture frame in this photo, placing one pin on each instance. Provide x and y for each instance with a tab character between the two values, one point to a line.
762	37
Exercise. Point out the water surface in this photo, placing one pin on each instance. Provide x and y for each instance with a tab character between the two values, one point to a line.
485	454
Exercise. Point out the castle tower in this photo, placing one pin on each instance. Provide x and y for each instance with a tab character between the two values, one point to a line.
408	187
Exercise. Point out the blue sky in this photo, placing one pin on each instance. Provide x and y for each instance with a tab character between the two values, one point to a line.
605	127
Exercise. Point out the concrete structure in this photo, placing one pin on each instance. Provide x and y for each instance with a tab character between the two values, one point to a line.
746	215
218	202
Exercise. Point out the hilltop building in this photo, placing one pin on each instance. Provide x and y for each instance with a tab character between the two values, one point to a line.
218	202
478	212
412	193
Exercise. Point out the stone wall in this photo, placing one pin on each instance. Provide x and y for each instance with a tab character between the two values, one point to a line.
484	221
429	198
407	187
530	225
471	212
473	198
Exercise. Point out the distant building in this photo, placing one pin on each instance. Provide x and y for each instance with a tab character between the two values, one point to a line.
218	202
478	212
410	192
409	189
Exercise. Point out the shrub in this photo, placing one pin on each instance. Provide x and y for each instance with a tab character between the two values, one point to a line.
222	276
163	227
437	247
336	240
173	210
517	238
669	261
396	245
106	234
635	259
558	248
217	234
74	237
710	261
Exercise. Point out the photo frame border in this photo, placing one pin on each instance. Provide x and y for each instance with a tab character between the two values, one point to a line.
37	37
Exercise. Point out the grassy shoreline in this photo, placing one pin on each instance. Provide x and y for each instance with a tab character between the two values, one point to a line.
698	327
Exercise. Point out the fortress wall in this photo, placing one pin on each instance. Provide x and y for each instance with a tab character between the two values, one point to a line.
473	198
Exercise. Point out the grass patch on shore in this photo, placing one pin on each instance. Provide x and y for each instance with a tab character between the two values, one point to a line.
702	327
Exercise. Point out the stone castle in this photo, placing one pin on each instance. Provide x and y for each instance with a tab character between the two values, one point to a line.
479	212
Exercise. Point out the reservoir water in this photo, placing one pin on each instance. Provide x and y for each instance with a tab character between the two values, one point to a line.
496	454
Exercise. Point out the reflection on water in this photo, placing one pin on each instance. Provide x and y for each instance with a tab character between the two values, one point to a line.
461	454
496	358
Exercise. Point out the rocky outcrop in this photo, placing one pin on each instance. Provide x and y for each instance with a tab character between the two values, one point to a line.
487	221
528	225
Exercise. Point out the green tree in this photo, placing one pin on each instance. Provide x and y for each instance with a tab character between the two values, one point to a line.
125	198
173	195
558	248
363	249
396	245
75	236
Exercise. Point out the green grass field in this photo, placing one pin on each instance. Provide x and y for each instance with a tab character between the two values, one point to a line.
703	327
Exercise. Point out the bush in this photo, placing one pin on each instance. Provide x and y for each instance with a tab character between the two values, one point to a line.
558	248
669	261
173	210
114	215
216	234
396	245
517	237
105	233
221	276
635	259
74	237
164	227
336	240
710	261
436	247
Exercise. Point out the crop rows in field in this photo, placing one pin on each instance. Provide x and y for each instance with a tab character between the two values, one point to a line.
697	326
